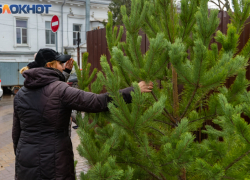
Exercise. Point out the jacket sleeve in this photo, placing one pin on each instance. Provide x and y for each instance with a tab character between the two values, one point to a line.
16	130
86	101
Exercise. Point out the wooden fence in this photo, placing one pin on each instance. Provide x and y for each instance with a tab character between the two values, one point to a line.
97	46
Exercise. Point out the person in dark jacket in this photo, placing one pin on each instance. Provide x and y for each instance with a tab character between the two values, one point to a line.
42	111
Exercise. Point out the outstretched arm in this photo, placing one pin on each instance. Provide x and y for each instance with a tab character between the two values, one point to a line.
86	101
90	102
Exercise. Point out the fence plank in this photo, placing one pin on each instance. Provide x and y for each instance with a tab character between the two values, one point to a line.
143	41
90	49
99	49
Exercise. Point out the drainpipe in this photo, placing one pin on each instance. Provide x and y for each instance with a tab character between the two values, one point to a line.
62	22
87	18
37	33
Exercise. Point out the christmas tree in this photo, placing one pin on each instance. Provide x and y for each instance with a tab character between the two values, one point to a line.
153	137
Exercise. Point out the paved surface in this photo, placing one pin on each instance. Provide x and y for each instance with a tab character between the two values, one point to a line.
7	157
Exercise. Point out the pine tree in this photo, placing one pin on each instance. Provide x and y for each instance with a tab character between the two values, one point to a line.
83	77
152	138
115	6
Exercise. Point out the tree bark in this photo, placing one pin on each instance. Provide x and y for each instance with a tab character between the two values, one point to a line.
183	174
176	111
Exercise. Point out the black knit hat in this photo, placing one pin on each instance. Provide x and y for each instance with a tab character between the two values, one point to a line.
47	55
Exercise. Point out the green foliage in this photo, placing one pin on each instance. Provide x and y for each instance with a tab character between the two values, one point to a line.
229	42
240	14
143	139
83	75
114	8
112	35
230	156
206	24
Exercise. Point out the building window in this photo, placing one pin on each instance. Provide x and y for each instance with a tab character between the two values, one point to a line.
50	36
76	29
21	31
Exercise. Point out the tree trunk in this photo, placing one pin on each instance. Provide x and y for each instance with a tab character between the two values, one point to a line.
183	174
176	110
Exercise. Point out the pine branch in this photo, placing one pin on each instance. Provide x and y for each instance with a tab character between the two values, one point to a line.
202	118
152	60
117	100
150	25
179	73
170	116
151	116
157	130
175	94
244	137
131	72
226	177
186	23
189	103
197	103
164	5
194	92
137	56
163	65
237	160
219	152
139	140
171	124
143	167
229	71
149	156
122	121
163	176
177	158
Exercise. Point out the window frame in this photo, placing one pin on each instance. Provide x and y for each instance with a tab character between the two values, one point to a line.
80	31
50	31
14	40
21	32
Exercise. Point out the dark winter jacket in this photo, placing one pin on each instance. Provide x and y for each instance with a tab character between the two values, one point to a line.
42	111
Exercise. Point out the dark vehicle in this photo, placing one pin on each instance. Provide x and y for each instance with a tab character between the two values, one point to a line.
73	81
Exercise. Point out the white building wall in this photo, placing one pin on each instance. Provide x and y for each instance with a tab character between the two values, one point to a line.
10	51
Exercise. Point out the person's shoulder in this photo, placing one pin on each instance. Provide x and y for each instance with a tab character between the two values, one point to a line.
60	85
54	87
20	91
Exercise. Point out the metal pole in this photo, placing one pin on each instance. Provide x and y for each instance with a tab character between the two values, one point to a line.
87	20
56	43
78	49
62	22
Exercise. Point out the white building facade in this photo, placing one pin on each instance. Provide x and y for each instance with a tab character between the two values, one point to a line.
22	35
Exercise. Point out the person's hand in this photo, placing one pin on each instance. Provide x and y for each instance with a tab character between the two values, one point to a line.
69	64
146	87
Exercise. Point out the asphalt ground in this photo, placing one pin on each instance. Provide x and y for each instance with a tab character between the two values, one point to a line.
7	157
